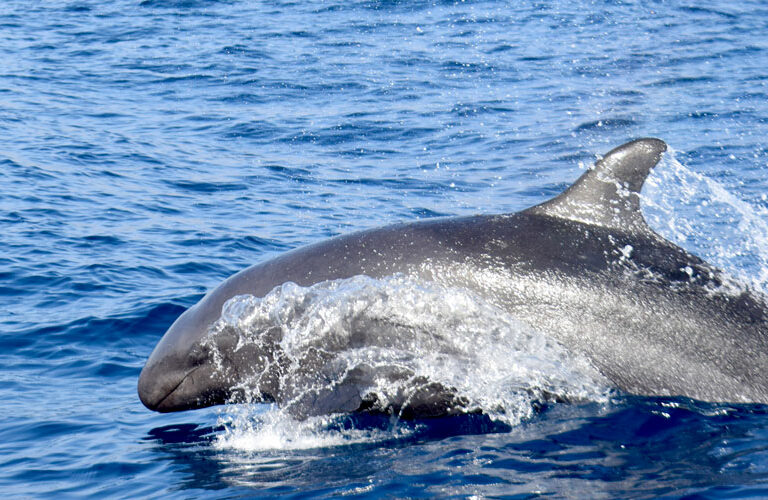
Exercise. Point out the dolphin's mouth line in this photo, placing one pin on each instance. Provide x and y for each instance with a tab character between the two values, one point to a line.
190	372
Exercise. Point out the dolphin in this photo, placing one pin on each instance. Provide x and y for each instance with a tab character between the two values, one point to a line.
583	268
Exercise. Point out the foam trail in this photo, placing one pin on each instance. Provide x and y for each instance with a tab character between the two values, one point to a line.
699	214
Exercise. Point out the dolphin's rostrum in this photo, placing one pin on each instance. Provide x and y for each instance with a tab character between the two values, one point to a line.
583	268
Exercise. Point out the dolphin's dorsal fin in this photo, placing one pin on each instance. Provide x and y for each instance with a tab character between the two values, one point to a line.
608	194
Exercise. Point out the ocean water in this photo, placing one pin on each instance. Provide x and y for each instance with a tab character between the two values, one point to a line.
149	149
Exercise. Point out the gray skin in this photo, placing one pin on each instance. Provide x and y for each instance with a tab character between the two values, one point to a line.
583	268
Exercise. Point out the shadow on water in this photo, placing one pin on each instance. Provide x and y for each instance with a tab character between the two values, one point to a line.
655	446
193	452
650	446
183	434
188	448
417	430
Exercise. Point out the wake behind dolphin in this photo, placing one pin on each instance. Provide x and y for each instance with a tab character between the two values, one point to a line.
584	270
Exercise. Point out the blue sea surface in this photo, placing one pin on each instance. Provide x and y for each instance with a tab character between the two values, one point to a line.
151	148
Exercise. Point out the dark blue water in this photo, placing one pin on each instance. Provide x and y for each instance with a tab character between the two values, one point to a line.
149	149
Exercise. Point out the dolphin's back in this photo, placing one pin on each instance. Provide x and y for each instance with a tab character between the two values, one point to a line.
653	318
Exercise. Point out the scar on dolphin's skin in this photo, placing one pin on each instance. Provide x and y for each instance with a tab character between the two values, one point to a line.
583	268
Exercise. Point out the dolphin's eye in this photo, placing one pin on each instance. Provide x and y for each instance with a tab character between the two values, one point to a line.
199	354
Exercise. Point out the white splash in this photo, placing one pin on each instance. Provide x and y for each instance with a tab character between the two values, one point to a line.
700	215
261	428
390	338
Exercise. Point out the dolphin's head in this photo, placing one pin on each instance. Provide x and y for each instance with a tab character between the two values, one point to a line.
179	374
194	366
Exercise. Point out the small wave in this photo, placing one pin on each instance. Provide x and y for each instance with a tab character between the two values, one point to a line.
180	4
607	123
681	81
707	12
206	187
